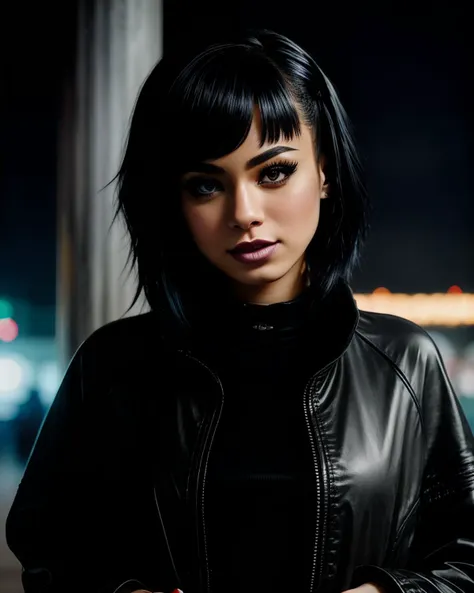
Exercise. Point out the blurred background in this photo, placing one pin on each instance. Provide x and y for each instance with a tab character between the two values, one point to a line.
70	74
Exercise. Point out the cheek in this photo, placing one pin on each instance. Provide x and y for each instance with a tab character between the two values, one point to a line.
203	224
299	210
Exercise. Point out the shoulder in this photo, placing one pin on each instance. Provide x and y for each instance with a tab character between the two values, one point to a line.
121	343
124	332
141	327
394	335
407	347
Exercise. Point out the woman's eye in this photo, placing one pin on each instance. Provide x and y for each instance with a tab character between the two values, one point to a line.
206	187
201	187
274	175
277	174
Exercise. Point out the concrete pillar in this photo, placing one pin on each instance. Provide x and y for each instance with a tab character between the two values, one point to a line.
118	43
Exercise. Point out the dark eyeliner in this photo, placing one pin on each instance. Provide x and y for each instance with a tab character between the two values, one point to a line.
285	167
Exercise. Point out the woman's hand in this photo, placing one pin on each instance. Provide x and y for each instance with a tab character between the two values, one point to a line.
366	588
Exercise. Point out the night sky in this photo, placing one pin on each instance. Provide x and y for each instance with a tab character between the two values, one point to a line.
404	75
36	51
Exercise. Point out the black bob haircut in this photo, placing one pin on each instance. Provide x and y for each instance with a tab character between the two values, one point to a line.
200	107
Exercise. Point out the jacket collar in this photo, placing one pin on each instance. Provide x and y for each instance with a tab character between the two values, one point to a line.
332	321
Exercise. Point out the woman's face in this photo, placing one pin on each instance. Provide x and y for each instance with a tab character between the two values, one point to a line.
269	194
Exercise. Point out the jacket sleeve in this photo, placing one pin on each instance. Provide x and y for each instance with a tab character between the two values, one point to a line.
45	526
442	553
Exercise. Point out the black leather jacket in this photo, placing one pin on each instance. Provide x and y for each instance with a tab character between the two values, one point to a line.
113	495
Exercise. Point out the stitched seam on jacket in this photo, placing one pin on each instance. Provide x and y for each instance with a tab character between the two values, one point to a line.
401	375
407	518
194	455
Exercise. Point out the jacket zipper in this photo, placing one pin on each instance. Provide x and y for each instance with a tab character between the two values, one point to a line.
321	491
211	434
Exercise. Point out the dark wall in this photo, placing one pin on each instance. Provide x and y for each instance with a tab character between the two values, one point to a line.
405	77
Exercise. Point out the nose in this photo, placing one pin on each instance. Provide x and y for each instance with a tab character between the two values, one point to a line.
246	209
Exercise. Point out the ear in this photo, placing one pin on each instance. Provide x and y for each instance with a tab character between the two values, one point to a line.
324	183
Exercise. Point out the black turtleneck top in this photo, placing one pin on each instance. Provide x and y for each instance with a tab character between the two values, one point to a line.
260	495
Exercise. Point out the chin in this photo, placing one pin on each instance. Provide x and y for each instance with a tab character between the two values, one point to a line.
259	276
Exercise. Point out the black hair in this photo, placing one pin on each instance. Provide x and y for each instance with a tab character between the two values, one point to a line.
200	107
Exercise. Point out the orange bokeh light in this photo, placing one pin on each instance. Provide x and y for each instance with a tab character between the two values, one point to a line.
381	290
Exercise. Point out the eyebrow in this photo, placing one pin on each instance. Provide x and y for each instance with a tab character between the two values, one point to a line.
267	155
250	164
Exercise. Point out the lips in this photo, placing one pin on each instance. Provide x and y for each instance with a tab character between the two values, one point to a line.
251	246
254	253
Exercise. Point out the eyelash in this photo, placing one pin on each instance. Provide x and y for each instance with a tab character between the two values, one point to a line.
287	168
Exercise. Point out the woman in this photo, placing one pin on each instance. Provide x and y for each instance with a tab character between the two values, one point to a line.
255	431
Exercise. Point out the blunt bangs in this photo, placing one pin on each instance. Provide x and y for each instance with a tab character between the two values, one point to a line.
214	100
